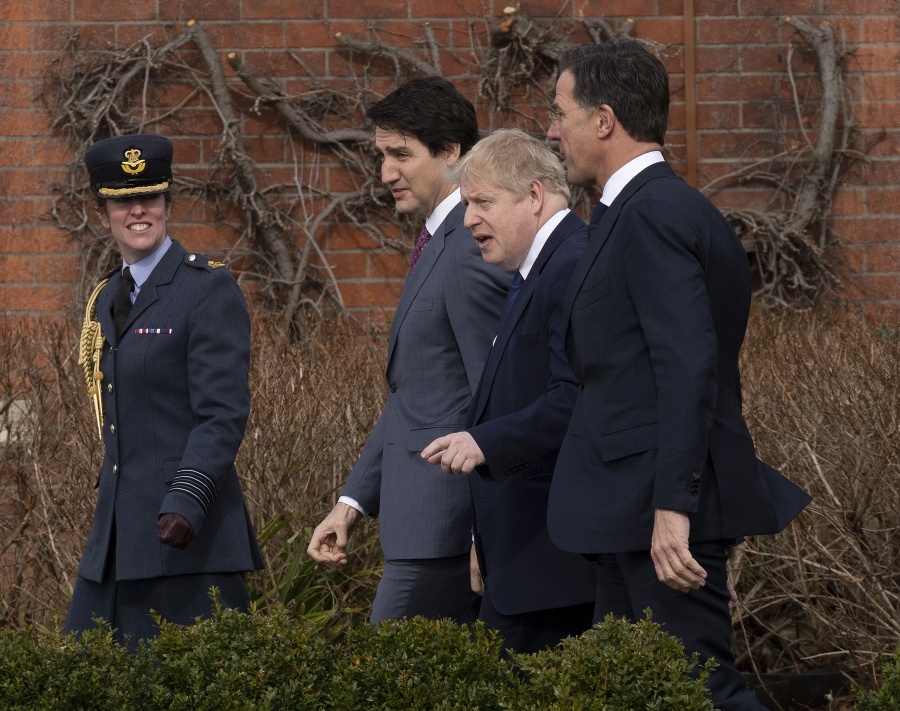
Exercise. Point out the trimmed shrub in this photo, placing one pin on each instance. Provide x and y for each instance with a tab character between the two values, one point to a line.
238	661
424	664
615	665
52	671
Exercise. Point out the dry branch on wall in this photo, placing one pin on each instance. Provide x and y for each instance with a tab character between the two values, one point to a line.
787	245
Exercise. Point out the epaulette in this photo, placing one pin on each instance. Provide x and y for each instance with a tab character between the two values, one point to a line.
199	260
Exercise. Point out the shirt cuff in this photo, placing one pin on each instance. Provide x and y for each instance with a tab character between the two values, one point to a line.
352	503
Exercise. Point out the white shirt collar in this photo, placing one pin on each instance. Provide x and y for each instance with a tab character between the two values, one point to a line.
442	210
141	269
623	175
540	239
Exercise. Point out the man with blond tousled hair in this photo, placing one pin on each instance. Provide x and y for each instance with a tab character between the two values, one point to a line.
517	208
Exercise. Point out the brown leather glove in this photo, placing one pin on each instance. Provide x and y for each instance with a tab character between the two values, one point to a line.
174	530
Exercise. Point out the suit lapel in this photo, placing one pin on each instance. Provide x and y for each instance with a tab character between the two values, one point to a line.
599	233
567	226
416	280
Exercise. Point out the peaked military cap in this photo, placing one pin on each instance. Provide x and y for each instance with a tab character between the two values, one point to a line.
124	166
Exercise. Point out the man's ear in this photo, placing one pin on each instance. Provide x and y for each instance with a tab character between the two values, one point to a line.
605	120
536	195
452	153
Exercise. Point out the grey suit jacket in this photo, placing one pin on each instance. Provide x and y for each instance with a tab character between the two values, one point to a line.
176	401
440	337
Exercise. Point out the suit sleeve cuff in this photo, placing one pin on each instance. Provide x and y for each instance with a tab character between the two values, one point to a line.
191	493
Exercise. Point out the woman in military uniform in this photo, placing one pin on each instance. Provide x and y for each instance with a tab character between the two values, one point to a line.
167	359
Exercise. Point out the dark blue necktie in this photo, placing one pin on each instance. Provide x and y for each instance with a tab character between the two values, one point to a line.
598	213
122	303
510	298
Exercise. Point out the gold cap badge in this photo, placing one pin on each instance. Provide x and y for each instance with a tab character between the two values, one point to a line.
134	164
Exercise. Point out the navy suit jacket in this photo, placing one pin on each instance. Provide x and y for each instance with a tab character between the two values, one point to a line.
176	401
657	309
519	416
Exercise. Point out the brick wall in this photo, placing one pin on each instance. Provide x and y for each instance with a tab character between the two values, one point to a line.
743	105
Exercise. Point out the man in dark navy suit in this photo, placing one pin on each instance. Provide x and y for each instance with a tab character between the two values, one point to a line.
517	208
657	475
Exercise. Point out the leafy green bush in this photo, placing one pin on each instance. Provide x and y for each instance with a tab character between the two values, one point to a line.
237	661
53	671
887	698
424	664
274	660
615	665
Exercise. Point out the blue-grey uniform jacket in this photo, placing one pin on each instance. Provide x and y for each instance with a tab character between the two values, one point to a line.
176	401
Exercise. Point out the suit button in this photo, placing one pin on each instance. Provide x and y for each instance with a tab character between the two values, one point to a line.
580	385
695	476
393	387
115	469
112	429
109	388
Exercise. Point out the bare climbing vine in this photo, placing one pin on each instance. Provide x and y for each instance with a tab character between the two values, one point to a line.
99	93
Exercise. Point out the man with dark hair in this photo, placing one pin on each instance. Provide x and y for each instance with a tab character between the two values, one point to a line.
439	340
657	475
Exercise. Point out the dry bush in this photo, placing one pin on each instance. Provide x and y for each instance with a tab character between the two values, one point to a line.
313	406
822	398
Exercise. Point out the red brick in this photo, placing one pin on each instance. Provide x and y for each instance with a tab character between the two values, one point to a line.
367	9
885	314
34	11
310	35
34	240
56	268
203	10
748	87
15	95
15	37
349	237
35	299
883	202
16	211
371	293
776	8
881	29
858	7
454	8
881	87
717	59
719	116
247	35
746	144
89	10
668	31
847	201
870	58
716	8
846	259
736	31
860	230
389	264
347	265
883	259
14	269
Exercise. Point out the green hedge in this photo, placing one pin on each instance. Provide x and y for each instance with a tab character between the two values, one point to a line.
886	698
274	660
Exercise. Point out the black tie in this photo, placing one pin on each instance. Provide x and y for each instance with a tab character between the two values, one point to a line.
122	304
598	213
511	298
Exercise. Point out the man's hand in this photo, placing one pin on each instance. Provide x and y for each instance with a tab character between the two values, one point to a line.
458	453
329	540
675	566
475	573
174	530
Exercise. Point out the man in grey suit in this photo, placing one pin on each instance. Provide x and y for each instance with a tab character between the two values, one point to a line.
438	344
168	356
